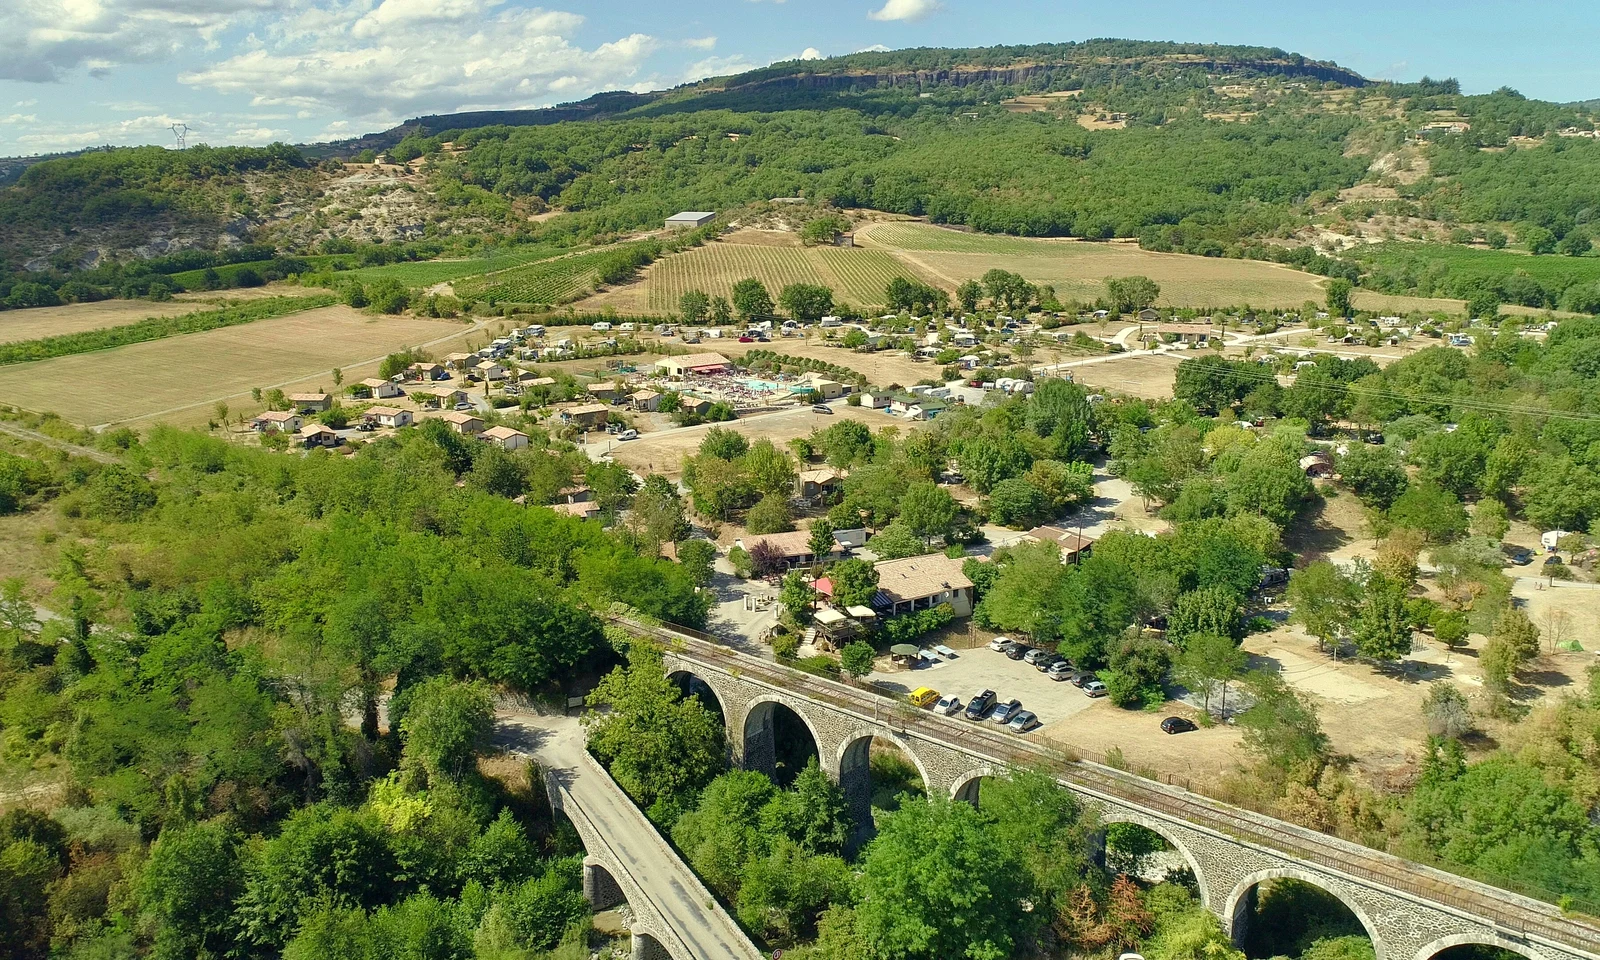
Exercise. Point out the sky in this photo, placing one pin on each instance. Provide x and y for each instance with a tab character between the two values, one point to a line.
79	73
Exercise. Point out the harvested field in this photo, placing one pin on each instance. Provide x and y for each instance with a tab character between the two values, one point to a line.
179	379
1078	269
1149	377
77	317
880	369
1401	304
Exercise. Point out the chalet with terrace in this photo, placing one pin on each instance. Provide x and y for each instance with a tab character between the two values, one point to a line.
505	437
377	389
921	583
589	416
392	417
701	363
311	402
463	422
318	435
278	421
1074	546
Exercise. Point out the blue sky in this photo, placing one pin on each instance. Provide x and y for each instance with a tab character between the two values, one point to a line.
83	72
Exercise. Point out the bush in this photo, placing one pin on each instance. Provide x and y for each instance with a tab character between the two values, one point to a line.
771	515
909	626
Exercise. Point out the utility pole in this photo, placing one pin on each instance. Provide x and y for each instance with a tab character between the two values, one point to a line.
181	131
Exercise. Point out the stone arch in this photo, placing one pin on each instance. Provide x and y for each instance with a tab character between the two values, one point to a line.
965	787
1240	899
758	742
852	761
600	886
647	945
690	683
1487	938
1112	815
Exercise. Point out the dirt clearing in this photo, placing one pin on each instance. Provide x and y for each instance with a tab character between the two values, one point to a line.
663	452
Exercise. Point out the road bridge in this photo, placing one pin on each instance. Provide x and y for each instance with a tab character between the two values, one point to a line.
674	915
1411	911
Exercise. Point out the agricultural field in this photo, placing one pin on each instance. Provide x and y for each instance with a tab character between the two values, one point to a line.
37	322
1459	262
180	379
1078	269
857	276
557	280
425	273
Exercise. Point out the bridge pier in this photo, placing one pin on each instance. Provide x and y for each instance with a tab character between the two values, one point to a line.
647	947
600	888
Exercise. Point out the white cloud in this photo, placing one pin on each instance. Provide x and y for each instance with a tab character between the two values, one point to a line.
810	53
389	59
875	48
46	40
905	10
701	43
717	67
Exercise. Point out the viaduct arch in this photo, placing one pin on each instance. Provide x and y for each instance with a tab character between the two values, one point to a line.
1411	911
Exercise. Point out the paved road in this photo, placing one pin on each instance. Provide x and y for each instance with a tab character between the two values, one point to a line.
676	895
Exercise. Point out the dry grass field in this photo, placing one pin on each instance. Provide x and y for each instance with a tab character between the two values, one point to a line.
180	379
77	317
1078	269
663	451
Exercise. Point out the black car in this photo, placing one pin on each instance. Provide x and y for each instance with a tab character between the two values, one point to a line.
1521	556
1177	725
980	704
1018	651
1044	663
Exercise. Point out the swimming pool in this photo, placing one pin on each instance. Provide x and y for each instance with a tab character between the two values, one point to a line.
768	386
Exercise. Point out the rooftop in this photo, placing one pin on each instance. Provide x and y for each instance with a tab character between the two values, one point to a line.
913	578
502	433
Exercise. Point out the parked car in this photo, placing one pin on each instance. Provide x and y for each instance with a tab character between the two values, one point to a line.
1005	711
1023	721
980	704
923	696
1177	725
1521	556
1018	651
948	706
463	406
628	435
1043	664
747	339
1033	656
1000	644
1094	688
1080	678
821	408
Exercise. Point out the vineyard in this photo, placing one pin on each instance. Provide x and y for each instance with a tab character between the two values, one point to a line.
855	276
921	236
560	279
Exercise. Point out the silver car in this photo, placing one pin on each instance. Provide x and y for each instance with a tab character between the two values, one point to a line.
1023	722
1003	712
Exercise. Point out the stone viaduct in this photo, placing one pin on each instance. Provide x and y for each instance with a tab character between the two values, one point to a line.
1411	912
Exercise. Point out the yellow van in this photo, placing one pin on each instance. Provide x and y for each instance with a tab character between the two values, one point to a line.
923	697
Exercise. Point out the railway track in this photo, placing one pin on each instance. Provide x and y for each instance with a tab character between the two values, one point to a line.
1513	912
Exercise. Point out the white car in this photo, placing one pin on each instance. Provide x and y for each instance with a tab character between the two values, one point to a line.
949	705
1000	644
628	435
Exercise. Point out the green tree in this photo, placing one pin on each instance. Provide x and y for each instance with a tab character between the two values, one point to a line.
694	305
1338	291
1382	627
188	887
446	725
771	515
1539	240
1374	473
821	539
855	582
1431	511
1446	711
854	339
751	300
1128	294
896	541
657	745
1282	730
696	557
937	883
724	444
857	657
721	311
1576	243
968	294
1208	663
797	596
1048	830
1268	482
929	510
806	302
1209	610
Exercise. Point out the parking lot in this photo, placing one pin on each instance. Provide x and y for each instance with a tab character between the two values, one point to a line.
982	668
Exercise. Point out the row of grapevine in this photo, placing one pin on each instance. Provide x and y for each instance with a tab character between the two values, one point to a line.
855	276
557	280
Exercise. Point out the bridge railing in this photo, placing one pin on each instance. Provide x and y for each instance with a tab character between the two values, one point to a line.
1510	910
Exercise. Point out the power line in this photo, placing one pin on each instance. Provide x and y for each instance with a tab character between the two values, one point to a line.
181	131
